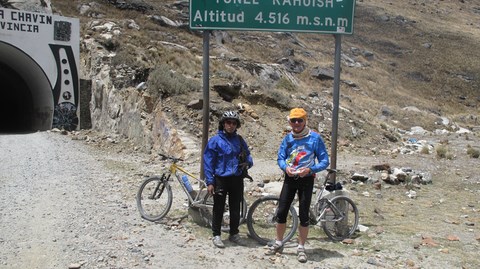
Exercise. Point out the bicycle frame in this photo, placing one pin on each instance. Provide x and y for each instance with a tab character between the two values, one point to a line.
155	195
323	202
174	168
200	200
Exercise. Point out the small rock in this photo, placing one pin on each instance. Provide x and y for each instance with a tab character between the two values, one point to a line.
428	241
453	238
411	194
372	261
410	263
74	266
362	228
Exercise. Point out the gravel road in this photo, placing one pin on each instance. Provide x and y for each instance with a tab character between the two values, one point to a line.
60	206
68	201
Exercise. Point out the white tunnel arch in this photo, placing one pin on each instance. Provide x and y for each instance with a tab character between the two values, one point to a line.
39	55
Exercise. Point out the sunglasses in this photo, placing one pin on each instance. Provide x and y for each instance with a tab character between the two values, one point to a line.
296	120
232	122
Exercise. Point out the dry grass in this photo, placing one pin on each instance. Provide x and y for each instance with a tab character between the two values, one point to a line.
424	56
472	152
420	76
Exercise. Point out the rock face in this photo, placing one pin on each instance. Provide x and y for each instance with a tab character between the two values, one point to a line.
128	111
42	6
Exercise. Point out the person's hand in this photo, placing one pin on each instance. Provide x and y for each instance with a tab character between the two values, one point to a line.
243	166
211	189
291	172
302	172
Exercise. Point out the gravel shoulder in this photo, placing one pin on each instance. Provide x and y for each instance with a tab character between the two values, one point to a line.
69	201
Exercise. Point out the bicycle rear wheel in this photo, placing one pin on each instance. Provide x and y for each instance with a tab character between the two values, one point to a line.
154	198
207	212
340	226
261	220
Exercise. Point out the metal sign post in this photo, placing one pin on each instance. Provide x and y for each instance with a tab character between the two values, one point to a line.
336	102
206	95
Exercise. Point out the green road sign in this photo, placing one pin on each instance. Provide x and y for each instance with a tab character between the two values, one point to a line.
319	16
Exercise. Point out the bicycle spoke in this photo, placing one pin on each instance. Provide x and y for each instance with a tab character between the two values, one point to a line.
154	199
340	219
262	222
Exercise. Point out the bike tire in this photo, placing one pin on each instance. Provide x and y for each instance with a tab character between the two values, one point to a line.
207	212
154	198
261	220
343	229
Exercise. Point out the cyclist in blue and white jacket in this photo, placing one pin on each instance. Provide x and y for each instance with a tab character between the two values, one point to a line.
225	157
301	155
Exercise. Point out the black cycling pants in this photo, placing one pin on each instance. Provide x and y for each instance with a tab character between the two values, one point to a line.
291	186
233	187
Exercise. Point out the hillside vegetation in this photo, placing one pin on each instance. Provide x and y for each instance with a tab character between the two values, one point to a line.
407	64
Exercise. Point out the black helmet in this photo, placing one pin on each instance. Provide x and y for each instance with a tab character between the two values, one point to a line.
229	115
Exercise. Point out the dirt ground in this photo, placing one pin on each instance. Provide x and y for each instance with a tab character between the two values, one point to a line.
68	201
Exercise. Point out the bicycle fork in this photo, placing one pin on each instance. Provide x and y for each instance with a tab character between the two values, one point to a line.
157	192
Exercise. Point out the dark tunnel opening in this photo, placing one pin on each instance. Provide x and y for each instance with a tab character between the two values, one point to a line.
16	102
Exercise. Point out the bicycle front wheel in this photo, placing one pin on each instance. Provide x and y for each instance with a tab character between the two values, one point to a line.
154	198
262	220
341	218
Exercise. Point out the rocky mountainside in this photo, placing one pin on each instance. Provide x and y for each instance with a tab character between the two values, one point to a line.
409	88
408	64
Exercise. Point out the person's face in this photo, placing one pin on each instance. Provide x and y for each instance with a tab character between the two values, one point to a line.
229	126
297	124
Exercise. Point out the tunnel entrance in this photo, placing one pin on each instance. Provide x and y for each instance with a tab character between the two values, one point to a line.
16	103
39	81
26	102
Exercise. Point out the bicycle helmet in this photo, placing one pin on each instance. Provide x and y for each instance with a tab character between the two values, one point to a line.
229	115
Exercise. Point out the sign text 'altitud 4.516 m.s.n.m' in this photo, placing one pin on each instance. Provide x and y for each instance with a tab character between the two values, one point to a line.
321	16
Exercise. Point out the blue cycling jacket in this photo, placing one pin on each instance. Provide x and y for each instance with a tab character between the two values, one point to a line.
220	157
303	152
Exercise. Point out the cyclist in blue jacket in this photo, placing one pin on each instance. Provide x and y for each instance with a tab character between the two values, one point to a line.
301	155
226	157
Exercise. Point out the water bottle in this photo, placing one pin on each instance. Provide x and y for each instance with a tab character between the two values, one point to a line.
187	183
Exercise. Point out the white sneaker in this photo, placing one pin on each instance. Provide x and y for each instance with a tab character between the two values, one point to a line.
237	239
217	241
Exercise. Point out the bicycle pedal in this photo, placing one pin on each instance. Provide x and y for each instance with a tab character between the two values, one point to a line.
196	203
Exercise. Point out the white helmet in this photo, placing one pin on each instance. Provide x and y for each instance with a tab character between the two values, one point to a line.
229	115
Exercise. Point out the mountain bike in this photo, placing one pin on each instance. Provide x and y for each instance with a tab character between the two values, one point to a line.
338	216
155	196
336	213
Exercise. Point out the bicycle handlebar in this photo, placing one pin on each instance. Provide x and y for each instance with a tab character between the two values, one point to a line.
174	159
330	177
